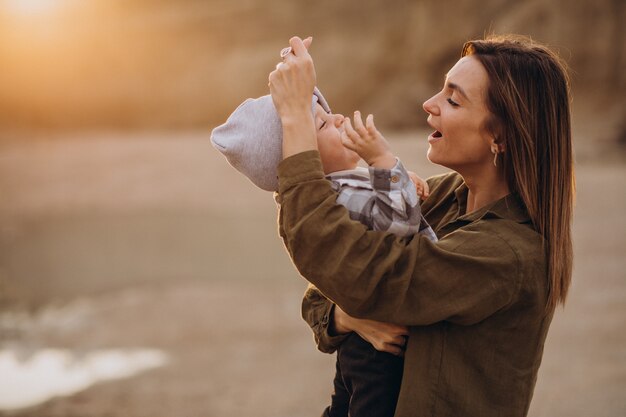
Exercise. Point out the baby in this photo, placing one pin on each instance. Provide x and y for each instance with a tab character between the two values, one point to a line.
383	196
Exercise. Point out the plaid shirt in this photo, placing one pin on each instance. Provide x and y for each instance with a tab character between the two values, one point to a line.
382	199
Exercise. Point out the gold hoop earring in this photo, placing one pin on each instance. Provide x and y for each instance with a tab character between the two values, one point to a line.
495	159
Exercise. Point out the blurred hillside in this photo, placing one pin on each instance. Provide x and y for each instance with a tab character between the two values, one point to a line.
159	64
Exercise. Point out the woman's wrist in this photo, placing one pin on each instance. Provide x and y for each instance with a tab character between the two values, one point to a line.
295	117
298	133
338	322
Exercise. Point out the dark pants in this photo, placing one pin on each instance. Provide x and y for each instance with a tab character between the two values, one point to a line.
367	382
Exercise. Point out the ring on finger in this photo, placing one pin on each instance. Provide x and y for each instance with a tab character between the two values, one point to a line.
285	51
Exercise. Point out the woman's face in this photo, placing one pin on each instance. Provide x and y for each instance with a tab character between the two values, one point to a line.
335	156
458	113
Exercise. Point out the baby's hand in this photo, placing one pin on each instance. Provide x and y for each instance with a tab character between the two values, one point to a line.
367	142
420	185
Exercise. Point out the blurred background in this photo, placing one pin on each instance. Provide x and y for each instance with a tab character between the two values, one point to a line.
140	275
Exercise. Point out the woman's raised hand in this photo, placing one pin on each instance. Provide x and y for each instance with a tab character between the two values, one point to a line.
291	87
385	337
292	82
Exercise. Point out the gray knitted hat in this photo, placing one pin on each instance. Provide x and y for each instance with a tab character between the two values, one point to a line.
252	139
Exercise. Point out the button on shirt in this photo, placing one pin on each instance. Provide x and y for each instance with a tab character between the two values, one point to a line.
474	300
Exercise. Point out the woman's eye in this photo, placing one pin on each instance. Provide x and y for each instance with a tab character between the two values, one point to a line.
453	103
322	125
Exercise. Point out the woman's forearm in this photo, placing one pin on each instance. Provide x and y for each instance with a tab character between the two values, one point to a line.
385	337
331	326
298	133
340	322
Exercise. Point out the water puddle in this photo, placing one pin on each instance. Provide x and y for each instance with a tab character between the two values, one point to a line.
57	372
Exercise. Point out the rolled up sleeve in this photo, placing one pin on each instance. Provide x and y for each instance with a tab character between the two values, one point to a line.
317	311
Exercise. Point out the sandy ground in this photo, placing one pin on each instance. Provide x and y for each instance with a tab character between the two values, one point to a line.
152	240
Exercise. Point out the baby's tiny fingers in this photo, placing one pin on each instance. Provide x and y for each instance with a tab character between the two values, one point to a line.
369	123
358	123
348	129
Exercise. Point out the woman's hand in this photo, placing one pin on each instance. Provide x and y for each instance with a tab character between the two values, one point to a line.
385	337
367	141
292	82
291	86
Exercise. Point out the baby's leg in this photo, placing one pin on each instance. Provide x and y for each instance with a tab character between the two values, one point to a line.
371	377
340	399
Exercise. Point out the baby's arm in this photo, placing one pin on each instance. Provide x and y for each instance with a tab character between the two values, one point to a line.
374	149
395	206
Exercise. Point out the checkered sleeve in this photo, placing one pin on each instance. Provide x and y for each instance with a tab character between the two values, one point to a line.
391	204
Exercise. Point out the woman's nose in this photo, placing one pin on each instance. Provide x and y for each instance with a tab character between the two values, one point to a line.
338	119
429	105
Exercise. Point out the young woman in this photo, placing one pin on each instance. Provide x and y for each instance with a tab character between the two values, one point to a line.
478	302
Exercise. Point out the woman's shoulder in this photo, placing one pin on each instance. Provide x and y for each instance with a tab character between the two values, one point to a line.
507	239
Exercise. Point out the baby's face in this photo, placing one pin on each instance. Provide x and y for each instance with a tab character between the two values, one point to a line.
335	156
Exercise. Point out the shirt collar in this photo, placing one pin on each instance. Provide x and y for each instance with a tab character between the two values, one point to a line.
509	207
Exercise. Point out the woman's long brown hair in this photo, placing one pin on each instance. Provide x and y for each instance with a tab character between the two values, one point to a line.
528	96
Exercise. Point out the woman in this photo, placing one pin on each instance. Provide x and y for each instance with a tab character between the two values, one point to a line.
478	303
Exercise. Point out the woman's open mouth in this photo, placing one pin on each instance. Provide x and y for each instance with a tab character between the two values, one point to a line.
434	136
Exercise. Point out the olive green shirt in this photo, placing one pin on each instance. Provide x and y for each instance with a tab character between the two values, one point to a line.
474	301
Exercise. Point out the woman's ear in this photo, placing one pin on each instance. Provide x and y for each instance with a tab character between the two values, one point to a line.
495	132
497	145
